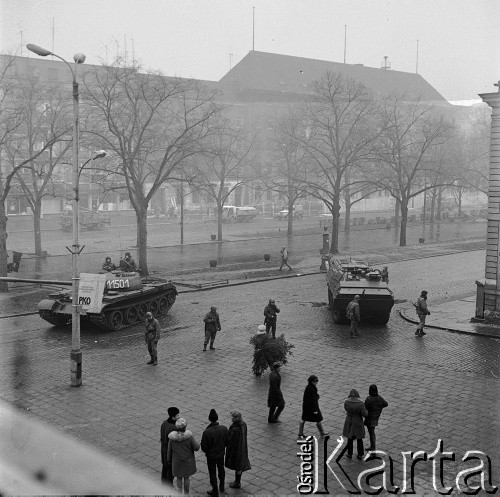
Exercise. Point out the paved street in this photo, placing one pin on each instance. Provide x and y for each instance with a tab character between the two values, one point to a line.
444	386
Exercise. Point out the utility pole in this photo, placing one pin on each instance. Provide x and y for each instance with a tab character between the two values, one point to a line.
345	41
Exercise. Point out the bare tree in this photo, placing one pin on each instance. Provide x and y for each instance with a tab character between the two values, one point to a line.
405	159
44	117
10	125
341	135
224	166
289	175
151	125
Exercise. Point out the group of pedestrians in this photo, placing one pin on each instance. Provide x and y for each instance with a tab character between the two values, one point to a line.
223	448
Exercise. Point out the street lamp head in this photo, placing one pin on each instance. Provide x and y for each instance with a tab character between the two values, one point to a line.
79	58
43	52
100	154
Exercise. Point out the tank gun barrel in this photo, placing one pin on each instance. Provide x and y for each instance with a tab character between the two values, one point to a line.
43	282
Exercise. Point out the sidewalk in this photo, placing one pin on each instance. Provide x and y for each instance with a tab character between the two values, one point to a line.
454	316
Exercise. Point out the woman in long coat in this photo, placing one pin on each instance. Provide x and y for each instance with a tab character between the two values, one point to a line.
181	449
353	426
237	448
310	406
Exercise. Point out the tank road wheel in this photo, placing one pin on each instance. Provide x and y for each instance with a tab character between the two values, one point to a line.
153	307
163	305
115	320
131	315
141	311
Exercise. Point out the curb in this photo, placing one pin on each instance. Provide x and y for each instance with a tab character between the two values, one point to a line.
452	330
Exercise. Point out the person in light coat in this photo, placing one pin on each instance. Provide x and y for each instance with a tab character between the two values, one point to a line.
354	428
181	449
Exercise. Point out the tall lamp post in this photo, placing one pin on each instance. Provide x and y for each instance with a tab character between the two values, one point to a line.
75	354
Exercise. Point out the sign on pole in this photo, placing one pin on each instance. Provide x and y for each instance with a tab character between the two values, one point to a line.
90	291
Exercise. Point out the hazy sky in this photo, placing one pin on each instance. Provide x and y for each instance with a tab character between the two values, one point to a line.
458	47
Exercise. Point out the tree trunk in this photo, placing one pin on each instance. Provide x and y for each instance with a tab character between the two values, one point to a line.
433	206
4	286
439	197
37	216
334	245
404	222
347	200
219	222
397	210
142	240
289	230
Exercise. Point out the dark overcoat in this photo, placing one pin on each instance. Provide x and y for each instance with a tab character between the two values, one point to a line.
167	427
356	411
237	448
275	396
310	404
374	405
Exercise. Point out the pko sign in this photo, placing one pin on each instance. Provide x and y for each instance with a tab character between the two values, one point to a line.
476	475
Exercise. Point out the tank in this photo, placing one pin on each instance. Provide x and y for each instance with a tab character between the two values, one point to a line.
127	297
346	278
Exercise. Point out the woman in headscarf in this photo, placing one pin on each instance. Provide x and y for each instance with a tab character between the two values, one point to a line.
353	426
237	448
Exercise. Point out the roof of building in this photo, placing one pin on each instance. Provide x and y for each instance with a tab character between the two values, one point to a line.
262	71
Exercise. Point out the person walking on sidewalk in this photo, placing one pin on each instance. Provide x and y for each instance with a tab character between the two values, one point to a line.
237	449
275	400
271	316
181	449
167	427
310	406
212	326
213	442
284	258
152	336
353	313
422	312
354	428
374	404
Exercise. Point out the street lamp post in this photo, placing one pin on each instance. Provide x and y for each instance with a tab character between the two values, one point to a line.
75	354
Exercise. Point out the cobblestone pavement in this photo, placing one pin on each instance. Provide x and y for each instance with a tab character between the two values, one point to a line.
444	386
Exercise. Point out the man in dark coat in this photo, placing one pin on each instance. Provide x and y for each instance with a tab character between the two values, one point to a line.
275	400
374	404
212	326
108	265
213	442
353	425
151	337
422	312
353	313
166	427
310	406
270	312
237	448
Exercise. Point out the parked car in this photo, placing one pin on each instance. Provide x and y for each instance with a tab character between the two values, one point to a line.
298	213
231	214
89	220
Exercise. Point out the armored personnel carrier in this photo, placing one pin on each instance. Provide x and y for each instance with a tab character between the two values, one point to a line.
346	278
127	297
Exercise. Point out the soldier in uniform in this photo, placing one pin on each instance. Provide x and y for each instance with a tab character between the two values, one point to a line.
212	326
422	312
352	313
108	265
270	313
128	264
152	336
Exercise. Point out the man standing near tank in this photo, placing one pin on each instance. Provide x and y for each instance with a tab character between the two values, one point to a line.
151	337
422	313
353	313
212	326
